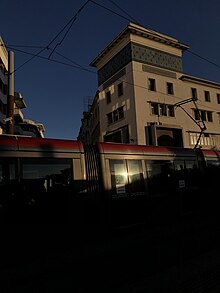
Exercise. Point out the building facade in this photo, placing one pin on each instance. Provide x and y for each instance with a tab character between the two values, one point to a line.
3	84
145	98
22	126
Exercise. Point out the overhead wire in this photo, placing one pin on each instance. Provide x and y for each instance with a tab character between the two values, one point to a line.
13	47
203	58
125	12
77	66
70	22
73	19
110	10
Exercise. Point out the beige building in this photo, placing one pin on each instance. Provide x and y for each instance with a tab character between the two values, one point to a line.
22	126
145	98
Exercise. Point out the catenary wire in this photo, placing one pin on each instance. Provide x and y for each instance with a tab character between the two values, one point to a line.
80	67
77	66
71	21
110	10
203	58
125	12
13	47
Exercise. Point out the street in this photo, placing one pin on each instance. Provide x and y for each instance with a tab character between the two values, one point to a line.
140	260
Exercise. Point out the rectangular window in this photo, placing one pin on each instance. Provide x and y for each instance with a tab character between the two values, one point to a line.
109	118
115	115
160	177
58	170
108	97
47	184
170	88
135	176
120	89
120	113
197	114
7	171
207	96
126	177
151	84
44	175
162	110
194	93
170	111
119	176
203	115
218	98
209	116
154	108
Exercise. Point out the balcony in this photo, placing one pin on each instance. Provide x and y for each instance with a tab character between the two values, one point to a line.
18	115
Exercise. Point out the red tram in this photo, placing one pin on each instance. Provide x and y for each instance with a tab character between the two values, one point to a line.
62	181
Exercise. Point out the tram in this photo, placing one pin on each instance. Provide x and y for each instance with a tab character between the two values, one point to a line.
63	181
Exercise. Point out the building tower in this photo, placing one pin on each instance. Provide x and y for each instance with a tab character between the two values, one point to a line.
145	98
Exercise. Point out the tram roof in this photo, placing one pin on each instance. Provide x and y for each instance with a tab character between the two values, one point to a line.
22	143
211	154
119	148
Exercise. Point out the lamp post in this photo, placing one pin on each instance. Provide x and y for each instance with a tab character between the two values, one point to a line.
10	95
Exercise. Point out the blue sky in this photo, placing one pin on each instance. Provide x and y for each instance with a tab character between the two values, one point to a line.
57	94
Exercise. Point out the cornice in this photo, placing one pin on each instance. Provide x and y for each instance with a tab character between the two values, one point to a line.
132	28
201	81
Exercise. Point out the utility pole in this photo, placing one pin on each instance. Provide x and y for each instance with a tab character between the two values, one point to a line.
10	95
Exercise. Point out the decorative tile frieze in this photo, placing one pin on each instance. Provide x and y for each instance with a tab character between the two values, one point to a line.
111	80
142	54
115	64
155	57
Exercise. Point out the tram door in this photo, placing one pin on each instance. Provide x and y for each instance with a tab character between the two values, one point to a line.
127	192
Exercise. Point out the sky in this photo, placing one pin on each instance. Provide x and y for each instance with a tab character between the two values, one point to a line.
54	43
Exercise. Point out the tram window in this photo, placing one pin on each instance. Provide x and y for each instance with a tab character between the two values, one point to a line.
160	177
126	176
8	185
185	165
135	174
214	164
7	170
187	172
53	172
212	174
119	176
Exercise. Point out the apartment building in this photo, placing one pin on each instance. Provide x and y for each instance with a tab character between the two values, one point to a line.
90	123
3	84
22	126
145	98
